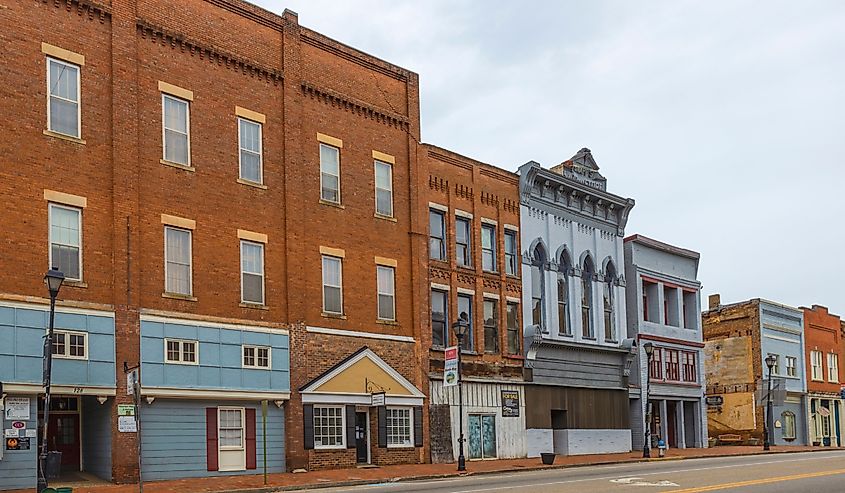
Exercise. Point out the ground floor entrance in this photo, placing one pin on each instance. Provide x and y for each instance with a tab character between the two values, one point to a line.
678	423
826	421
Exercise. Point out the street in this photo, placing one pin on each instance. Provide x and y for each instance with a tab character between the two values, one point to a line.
819	472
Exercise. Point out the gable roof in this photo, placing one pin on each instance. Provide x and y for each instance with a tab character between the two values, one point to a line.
357	360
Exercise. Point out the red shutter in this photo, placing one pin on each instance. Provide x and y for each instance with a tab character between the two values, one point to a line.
250	439
211	438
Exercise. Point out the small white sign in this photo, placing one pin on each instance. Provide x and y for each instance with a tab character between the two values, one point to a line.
450	367
11	433
131	378
377	399
31	433
126	424
17	408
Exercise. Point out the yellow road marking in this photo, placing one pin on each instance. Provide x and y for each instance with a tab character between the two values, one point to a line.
753	482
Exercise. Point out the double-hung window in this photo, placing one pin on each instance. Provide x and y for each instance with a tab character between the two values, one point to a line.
791	363
71	345
256	357
329	173
63	114
231	428
816	365
463	243
513	327
655	369
179	351
672	364
177	261
399	427
329	427
776	366
510	252
332	285
465	307
832	367
250	150
788	425
384	188
66	241
385	280
690	371
176	124
252	272
436	235
488	247
491	326
439	317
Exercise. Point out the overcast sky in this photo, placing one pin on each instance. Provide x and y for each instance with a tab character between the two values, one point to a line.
722	119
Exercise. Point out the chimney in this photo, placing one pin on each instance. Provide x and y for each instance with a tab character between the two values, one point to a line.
714	301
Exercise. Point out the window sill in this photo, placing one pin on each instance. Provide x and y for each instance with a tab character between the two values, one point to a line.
401	447
512	276
186	167
387	322
68	138
77	358
466	268
75	284
440	262
336	205
338	316
251	183
177	296
386	218
254	306
469	353
515	356
329	448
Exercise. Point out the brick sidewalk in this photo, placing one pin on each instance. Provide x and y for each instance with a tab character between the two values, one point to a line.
340	477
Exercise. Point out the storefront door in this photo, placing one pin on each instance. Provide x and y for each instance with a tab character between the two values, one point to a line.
482	436
63	433
362	447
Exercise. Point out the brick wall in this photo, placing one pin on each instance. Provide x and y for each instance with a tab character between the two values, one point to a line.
822	332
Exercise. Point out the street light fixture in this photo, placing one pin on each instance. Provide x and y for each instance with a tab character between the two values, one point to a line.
770	363
53	279
460	327
649	351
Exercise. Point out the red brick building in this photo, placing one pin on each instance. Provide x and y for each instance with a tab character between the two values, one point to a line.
214	174
825	375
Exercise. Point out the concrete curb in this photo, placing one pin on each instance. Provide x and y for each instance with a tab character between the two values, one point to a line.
363	482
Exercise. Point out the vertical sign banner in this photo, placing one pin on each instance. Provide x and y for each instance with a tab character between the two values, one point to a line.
450	367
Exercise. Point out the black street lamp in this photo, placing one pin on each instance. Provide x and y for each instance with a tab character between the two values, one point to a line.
649	350
460	327
53	279
770	362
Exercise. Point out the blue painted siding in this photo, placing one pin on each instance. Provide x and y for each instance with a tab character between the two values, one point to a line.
173	439
22	333
17	468
800	423
782	333
220	358
96	437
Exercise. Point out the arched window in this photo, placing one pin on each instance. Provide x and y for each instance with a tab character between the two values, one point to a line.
538	261
564	327
587	273
607	296
788	425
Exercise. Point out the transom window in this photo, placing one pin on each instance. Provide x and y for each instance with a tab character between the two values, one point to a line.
386	292
332	284
250	150
384	189
329	173
398	422
176	130
66	241
63	115
231	429
328	427
177	261
436	235
72	345
252	272
179	351
488	247
256	357
463	243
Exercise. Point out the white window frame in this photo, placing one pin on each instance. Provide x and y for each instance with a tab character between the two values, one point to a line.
50	236
263	286
243	428
67	334
181	360
790	436
323	282
379	292
791	366
320	157
389	166
164	128
342	444
410	443
816	377
260	150
493	247
833	367
78	97
190	261
256	366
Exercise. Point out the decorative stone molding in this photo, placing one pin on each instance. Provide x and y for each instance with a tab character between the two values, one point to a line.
356	106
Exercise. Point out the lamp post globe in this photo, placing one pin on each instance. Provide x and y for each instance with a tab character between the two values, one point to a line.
649	351
460	327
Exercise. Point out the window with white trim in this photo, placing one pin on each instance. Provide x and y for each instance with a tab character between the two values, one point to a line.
252	272
256	357
66	241
180	351
399	425
231	428
329	427
436	235
463	242
488	247
63	91
776	366
177	261
386	292
788	425
329	173
511	259
816	365
832	367
71	345
332	284
384	188
250	150
513	327
791	366
176	128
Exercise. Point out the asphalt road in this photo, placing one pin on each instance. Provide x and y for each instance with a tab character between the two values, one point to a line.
815	472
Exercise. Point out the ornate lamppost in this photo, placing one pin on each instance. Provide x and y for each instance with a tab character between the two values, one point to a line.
767	440
53	279
460	327
649	351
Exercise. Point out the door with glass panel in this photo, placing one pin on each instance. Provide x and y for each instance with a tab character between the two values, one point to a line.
482	436
232	453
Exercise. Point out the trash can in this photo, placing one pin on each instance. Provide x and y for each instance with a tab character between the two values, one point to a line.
53	465
548	458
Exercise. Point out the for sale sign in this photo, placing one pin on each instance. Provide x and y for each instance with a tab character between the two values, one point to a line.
450	367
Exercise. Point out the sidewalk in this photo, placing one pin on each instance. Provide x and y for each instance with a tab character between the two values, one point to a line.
348	477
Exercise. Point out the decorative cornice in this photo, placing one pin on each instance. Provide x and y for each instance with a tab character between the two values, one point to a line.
346	52
357	106
159	34
84	7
